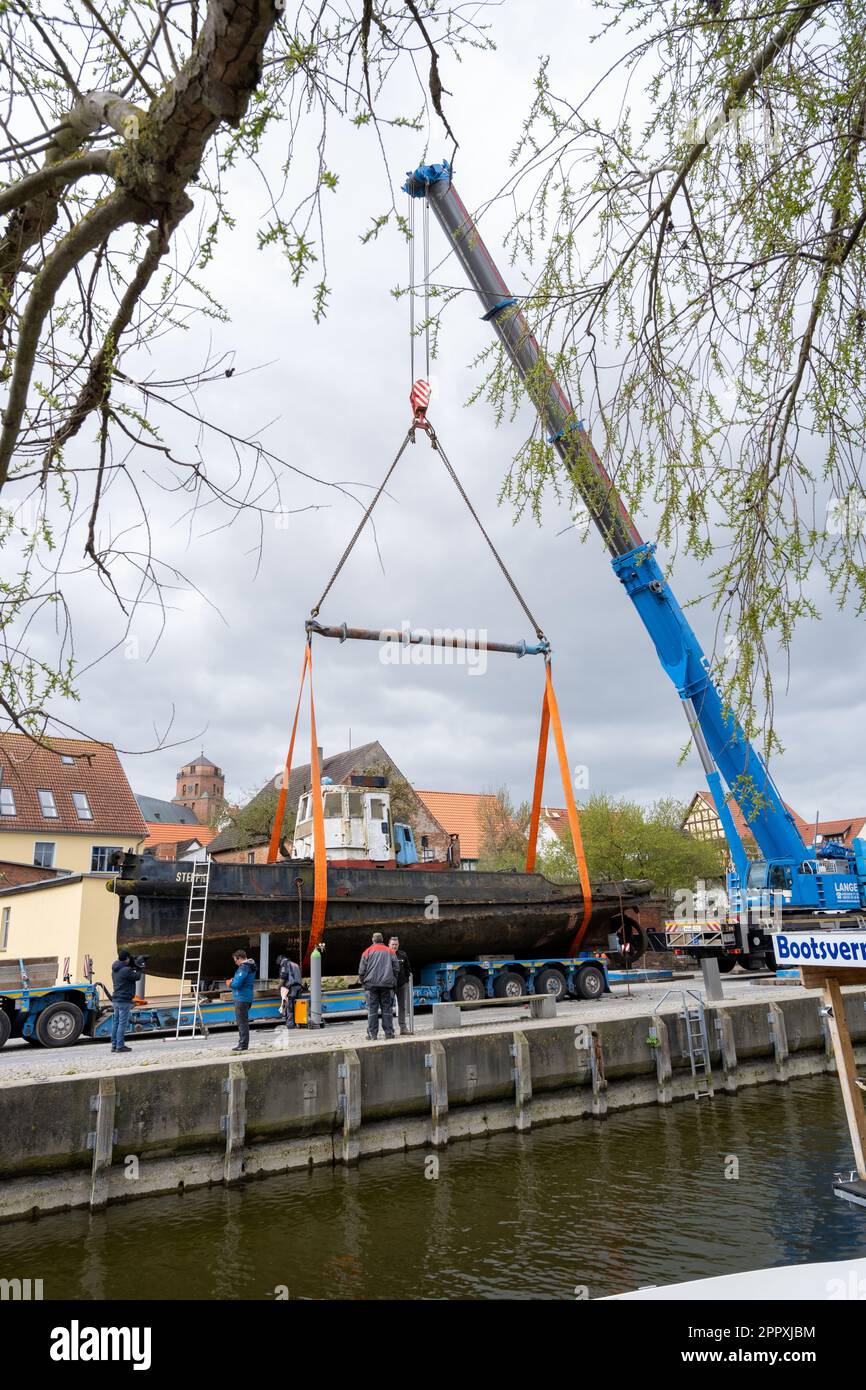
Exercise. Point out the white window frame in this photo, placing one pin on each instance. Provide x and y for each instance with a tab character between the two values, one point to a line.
88	813
67	759
52	814
4	930
53	845
8	793
105	850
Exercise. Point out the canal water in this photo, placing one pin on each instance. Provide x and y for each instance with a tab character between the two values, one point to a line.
580	1209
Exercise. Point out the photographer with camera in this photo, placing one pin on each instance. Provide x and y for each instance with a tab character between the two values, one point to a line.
125	972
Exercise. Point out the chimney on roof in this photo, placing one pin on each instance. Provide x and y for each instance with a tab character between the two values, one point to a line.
320	755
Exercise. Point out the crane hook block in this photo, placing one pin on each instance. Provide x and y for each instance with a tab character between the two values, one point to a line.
419	399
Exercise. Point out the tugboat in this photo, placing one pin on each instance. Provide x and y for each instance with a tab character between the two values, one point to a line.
375	883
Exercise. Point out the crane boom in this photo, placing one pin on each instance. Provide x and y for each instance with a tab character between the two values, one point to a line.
726	753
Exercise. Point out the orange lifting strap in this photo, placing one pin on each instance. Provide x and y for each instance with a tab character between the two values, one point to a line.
550	713
320	864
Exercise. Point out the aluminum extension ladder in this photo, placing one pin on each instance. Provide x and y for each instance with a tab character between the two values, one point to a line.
189	1015
697	1044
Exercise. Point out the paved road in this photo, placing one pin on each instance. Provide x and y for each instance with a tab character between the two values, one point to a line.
19	1062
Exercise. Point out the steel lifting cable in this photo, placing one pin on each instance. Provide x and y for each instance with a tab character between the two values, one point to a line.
425	257
434	440
361	524
434	444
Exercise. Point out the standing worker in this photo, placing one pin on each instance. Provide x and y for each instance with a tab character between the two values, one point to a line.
124	973
452	854
241	985
290	986
404	975
377	976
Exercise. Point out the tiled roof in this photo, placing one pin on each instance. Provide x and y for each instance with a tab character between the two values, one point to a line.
459	814
168	812
158	834
556	817
338	767
96	771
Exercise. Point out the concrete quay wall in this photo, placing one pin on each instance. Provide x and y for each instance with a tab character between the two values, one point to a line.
91	1140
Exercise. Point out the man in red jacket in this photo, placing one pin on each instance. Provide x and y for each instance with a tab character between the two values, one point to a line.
377	976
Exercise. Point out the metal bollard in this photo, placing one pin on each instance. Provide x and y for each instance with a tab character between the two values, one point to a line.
315	1019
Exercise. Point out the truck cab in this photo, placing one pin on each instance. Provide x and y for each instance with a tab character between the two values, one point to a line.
358	824
831	878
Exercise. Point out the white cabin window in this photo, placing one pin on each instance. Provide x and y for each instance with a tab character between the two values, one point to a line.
304	806
333	805
356	806
377	808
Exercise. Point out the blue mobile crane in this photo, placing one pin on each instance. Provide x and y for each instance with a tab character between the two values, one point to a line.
789	883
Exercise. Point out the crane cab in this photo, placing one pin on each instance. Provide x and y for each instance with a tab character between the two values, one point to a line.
825	879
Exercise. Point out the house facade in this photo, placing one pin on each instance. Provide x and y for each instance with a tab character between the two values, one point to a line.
69	807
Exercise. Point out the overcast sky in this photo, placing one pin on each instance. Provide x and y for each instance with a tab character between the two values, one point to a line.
336	395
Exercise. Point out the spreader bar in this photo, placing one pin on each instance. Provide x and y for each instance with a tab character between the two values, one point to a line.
441	637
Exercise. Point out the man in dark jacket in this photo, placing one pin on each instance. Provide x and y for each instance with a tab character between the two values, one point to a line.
404	975
242	984
124	973
377	976
290	986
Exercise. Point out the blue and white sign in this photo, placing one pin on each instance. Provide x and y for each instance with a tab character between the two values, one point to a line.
836	948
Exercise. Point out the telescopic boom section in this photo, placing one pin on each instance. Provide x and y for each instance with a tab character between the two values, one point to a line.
565	432
720	740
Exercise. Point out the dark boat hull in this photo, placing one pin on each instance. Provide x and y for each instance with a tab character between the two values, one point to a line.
438	915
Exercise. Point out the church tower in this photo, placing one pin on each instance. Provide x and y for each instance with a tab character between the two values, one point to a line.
201	788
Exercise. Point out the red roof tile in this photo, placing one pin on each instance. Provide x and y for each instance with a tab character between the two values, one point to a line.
458	814
95	771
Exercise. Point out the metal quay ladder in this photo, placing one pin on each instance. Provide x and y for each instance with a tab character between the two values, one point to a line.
697	1045
189	1016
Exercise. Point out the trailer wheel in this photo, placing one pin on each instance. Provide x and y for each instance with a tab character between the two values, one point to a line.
551	981
467	989
60	1024
509	985
590	982
5	1028
726	964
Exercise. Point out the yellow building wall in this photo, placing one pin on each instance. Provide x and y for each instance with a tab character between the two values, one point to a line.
72	919
71	852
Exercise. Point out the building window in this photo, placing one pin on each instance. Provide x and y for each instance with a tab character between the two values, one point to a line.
104	858
251	856
48	805
4	931
67	759
82	806
43	854
7	802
